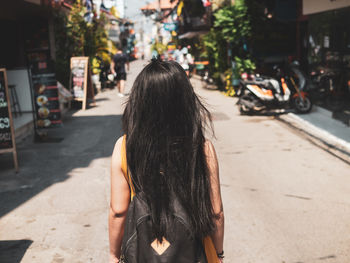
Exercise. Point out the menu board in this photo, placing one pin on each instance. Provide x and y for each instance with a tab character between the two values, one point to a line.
7	134
47	106
45	90
80	80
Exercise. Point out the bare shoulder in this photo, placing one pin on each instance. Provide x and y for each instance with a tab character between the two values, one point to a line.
119	142
117	150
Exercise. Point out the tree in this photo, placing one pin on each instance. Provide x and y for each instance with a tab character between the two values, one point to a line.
76	37
226	44
215	47
76	28
234	22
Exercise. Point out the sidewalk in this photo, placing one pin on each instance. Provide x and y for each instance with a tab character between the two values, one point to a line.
328	133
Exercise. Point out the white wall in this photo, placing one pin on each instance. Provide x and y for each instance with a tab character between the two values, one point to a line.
19	78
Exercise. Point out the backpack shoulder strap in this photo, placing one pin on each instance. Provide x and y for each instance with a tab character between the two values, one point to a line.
125	168
210	251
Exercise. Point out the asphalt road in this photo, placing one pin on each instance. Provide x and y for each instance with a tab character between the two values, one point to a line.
285	199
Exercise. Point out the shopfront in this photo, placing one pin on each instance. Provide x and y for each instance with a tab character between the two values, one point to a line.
328	43
328	33
26	33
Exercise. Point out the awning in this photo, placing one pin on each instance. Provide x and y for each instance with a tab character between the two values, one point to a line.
192	34
316	6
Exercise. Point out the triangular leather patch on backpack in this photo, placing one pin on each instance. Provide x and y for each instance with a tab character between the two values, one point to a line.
160	248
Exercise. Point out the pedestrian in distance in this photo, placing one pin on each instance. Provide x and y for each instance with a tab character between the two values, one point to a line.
165	201
186	60
118	70
177	54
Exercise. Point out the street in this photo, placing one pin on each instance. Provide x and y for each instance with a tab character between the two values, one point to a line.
285	199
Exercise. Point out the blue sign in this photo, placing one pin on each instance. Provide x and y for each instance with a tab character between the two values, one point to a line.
170	26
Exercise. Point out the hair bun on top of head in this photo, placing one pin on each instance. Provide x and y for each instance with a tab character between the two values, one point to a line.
156	59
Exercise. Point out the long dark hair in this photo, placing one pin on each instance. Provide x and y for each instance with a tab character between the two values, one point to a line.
164	122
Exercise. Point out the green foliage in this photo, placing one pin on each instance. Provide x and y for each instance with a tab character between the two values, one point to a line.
159	47
63	48
76	37
97	42
232	28
76	28
230	90
234	22
215	50
243	65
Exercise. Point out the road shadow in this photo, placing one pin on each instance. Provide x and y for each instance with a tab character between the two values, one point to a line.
101	99
41	165
12	251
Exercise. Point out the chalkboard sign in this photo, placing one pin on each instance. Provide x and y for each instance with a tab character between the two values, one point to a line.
7	134
80	80
45	90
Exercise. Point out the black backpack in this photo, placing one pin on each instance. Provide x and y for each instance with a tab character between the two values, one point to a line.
139	245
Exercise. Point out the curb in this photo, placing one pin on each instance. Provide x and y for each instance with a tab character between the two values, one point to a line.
320	137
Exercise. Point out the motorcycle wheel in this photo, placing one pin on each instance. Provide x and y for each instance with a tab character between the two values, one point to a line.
244	110
302	105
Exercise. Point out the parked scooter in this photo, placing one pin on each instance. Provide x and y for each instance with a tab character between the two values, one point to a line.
207	80
103	72
286	90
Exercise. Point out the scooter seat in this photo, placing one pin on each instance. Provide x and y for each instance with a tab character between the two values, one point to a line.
264	83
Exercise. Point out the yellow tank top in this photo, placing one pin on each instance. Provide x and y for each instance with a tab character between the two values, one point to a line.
207	242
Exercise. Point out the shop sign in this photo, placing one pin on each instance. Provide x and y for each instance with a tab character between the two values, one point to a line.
316	6
80	80
170	26
79	72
